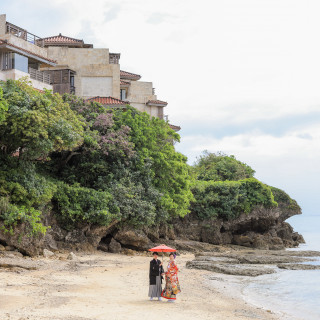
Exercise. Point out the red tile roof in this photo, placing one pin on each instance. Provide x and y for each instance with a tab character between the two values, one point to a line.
64	40
124	83
129	75
175	128
108	101
157	102
6	43
41	91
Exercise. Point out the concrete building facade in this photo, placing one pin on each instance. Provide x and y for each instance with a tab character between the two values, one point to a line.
22	56
68	65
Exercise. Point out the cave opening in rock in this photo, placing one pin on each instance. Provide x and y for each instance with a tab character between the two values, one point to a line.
106	239
222	229
2	242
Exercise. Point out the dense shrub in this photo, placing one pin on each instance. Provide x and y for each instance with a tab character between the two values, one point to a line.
36	124
135	194
76	204
284	199
12	214
220	167
23	185
153	139
228	199
3	106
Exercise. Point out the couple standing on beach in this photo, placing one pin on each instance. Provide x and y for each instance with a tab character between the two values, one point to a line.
156	273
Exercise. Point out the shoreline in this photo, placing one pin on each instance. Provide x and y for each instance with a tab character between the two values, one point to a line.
236	285
114	286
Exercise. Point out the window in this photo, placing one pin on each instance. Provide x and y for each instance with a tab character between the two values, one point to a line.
11	60
20	62
7	61
123	94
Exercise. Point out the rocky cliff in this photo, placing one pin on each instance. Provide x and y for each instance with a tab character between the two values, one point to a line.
262	228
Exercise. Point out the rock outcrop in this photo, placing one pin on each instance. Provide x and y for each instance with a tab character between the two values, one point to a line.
261	229
21	239
253	262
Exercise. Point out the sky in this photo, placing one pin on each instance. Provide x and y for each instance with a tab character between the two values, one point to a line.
240	76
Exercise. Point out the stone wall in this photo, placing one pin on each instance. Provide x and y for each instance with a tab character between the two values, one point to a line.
140	92
3	19
96	86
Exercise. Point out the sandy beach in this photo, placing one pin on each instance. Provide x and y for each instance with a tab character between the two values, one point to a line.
103	286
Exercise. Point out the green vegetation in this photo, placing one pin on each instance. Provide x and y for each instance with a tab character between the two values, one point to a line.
225	188
219	167
285	200
78	204
88	164
3	106
228	199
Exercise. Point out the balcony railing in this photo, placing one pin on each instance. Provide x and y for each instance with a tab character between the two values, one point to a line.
114	58
39	75
24	34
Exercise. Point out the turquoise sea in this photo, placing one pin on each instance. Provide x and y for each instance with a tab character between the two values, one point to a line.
293	294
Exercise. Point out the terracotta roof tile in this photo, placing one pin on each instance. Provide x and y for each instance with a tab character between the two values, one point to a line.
175	128
108	101
41	91
157	102
124	83
62	39
129	75
5	42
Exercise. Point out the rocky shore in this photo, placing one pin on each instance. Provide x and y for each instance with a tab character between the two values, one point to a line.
263	229
234	261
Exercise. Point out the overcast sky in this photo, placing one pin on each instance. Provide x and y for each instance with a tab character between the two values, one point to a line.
240	76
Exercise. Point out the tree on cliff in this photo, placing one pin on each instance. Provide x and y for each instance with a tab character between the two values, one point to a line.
220	167
225	188
36	124
3	106
86	163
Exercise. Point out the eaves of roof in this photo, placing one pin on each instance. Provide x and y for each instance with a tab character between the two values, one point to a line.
22	51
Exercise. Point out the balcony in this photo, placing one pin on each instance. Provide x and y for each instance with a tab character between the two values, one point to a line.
39	75
24	34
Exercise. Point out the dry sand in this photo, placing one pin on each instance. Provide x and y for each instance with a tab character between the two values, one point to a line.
103	286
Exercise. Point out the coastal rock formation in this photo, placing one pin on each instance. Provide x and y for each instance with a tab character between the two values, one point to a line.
290	266
114	246
133	238
21	239
232	269
262	228
248	262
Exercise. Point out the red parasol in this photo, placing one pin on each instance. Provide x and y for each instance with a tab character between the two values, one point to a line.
162	248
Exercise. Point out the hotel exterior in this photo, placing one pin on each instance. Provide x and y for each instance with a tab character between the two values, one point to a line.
67	65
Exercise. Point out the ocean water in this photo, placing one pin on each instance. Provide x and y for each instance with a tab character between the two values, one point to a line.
295	294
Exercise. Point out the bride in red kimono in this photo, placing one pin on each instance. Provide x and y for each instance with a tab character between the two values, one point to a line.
172	287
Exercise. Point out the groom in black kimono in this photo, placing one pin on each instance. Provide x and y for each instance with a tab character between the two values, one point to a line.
155	277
